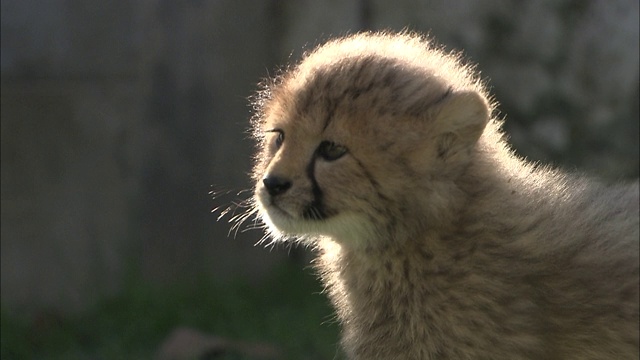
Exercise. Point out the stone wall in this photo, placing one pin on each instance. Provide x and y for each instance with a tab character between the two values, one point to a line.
119	118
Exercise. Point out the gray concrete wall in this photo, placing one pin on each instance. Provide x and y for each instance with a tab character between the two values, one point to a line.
119	117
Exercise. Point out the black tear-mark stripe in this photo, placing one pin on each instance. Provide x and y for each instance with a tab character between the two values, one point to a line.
316	209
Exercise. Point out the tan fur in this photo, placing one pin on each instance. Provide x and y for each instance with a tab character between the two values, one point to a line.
435	240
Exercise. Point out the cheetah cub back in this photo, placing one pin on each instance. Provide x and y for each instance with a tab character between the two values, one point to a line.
435	241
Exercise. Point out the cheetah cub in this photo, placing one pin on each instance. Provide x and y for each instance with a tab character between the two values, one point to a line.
434	240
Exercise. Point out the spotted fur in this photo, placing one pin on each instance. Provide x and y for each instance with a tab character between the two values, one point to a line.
435	240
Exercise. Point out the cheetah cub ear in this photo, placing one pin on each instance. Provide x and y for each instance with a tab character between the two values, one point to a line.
458	123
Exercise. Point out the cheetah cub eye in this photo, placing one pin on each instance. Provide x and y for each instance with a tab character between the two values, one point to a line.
279	137
330	151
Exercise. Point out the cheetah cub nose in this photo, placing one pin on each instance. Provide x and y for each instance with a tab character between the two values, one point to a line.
276	185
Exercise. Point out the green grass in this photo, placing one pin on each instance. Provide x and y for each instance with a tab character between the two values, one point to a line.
287	311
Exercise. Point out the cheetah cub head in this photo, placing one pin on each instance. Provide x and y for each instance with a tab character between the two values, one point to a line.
363	140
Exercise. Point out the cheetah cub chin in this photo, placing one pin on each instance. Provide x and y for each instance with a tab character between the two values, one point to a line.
435	240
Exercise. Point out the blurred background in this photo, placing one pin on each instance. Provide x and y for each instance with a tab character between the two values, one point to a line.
120	117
